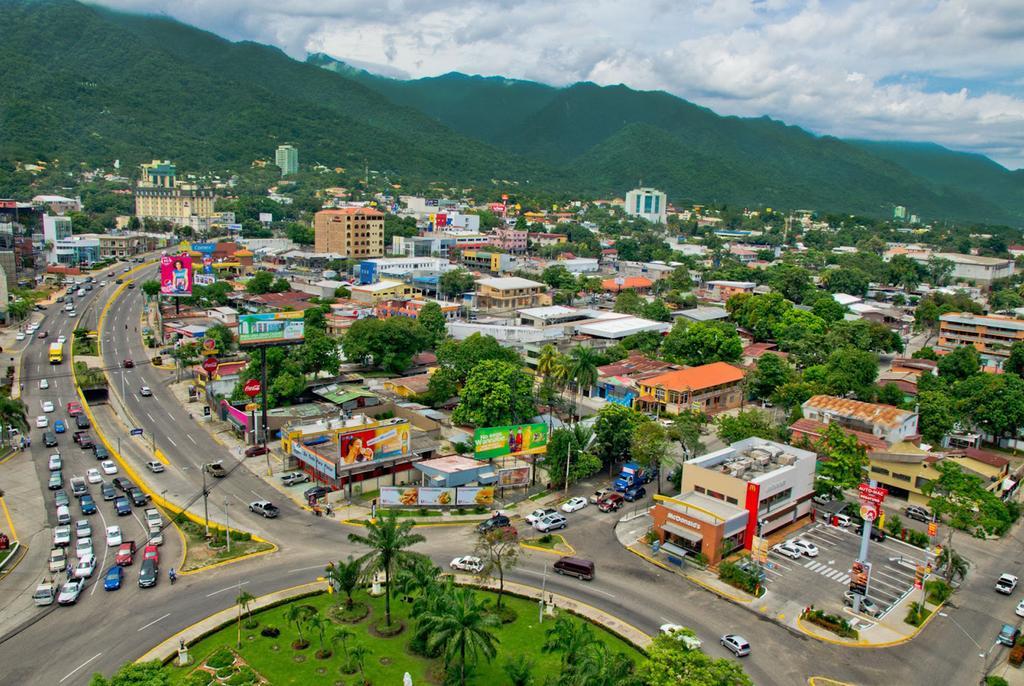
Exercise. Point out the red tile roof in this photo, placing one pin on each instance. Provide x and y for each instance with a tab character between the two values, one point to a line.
627	283
697	378
985	457
814	430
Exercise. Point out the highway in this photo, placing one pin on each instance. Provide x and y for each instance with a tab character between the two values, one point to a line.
67	644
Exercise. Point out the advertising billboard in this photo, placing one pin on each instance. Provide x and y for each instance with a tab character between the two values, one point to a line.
513	477
271	328
176	275
517	439
377	443
475	495
422	496
317	463
436	496
860	577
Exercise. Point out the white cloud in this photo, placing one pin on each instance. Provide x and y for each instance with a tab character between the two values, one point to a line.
835	67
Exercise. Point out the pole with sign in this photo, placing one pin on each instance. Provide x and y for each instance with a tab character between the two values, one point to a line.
871	497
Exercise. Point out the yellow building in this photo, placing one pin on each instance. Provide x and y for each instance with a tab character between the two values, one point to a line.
159	196
373	293
356	232
904	469
506	294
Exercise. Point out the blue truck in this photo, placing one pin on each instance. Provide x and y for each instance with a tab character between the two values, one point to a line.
631	475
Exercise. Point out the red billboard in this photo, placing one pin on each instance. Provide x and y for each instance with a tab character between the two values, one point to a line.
176	275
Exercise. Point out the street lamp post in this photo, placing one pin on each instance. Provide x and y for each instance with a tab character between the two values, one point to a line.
206	511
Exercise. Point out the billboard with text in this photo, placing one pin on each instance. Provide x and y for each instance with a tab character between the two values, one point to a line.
270	328
366	445
513	477
516	439
176	275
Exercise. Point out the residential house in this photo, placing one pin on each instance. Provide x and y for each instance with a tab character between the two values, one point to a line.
708	388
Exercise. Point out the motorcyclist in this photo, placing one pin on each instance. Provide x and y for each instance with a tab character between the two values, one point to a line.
172	575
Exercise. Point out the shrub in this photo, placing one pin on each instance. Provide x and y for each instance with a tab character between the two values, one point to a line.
546	538
200	677
938	591
1016	655
734	575
225	672
221	658
996	681
916	614
505	614
270	632
244	675
917	538
835	624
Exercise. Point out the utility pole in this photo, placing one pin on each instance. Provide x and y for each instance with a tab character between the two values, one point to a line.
206	510
227	525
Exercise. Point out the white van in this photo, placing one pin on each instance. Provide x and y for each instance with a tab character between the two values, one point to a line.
63	515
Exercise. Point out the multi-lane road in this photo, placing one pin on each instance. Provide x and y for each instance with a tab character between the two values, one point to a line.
64	645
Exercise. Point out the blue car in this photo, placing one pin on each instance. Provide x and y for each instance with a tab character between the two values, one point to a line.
112	581
88	504
122	506
59	426
634	493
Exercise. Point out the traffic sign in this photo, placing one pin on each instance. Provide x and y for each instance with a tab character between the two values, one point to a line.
252	388
933	529
210	365
136	432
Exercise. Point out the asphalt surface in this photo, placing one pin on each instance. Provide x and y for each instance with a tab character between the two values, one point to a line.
99	634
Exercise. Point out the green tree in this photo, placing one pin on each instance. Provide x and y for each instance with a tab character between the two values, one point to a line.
889	394
1015	362
826	307
851	281
464	630
570	637
243	600
993	403
12	413
745	424
613	428
939	271
937	415
357	656
796	326
224	338
701	343
847	369
557	276
791	281
432	319
905	272
387	343
454	283
771	372
656	310
345	578
260	283
499	550
298	614
963	362
388	540
280	285
629	302
686	429
670	663
343	635
581	369
519	670
495	393
570	443
844	460
317	353
649	446
456	359
19	308
758	314
151	288
135	674
318	626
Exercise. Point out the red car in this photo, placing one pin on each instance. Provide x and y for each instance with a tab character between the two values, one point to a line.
611	502
74	409
150	552
128	364
256	450
125	554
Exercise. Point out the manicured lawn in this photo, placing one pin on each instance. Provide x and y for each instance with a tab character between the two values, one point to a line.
275	658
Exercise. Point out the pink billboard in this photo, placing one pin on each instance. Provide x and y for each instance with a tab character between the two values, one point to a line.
176	275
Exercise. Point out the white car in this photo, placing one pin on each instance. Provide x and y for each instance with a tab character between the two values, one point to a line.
804	546
62	535
537	515
85	567
573	504
83	529
841	520
42	421
145	391
682	634
467	563
83	547
62	339
70	591
20	336
93	476
1006	584
550	523
1020	609
108	467
47	406
55	463
787	549
43	384
113	536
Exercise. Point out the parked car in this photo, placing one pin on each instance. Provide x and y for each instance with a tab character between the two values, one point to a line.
316	492
867	605
736	644
551	522
538	514
787	549
467	563
264	508
292	478
841	520
1006	584
573	504
804	546
1008	635
255	450
70	591
611	502
1020	609
496	521
877	534
634	493
599	494
917	512
112	579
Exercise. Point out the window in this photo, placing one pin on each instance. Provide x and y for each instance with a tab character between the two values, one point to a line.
781	496
879	470
731	500
900	477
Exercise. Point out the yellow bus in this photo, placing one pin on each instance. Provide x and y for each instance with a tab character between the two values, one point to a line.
56	353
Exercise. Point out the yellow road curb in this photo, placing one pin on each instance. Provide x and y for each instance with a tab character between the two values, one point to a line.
356	522
10	457
572	551
866	644
10	522
720	592
159	455
826	681
221	563
649	558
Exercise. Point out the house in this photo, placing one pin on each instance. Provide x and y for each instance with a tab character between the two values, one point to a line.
618	382
886	422
721	291
640	284
702	314
708	388
408	386
373	293
506	294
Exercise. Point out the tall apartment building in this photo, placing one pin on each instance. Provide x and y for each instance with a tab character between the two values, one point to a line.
992	335
287	158
55	228
647	203
506	294
356	232
159	196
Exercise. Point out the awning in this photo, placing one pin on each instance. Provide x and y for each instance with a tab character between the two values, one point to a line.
1008	484
691	536
486	477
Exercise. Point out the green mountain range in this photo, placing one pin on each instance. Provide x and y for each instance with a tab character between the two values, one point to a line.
88	84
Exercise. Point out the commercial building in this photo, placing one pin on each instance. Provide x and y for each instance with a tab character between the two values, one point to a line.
981	270
487	261
509	239
287	158
708	388
647	203
55	228
386	309
355	232
373	293
640	284
119	246
506	294
158	196
991	335
905	470
721	291
399	267
77	250
728	497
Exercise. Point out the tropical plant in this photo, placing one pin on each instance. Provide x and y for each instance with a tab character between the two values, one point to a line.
581	369
357	656
416	578
343	635
519	671
318	626
953	565
388	540
12	413
297	614
464	630
598	666
243	600
344	576
570	637
499	550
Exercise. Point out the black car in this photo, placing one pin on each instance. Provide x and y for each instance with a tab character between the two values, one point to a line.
316	492
49	439
82	422
107	491
123	484
634	493
498	521
137	497
877	534
100	452
148	573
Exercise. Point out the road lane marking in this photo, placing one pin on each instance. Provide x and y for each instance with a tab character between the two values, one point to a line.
153	622
172	441
191	439
306	569
150	417
72	672
229	588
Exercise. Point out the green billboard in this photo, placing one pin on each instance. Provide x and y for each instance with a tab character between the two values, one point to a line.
516	439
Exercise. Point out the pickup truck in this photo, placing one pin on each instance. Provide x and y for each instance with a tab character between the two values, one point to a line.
264	508
216	469
45	593
1006	584
153	517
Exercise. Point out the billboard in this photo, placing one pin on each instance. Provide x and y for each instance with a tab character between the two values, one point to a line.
475	495
517	439
319	465
379	442
176	275
860	577
268	328
513	477
423	496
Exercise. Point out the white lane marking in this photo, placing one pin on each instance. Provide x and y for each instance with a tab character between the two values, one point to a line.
255	493
106	549
150	417
229	588
191	439
172	441
153	622
72	672
306	569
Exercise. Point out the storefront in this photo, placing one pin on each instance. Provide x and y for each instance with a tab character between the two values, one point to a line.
696	524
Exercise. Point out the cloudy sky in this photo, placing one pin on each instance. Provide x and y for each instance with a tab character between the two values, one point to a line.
946	71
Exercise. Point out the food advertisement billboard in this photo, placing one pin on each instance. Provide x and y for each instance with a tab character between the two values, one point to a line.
422	496
517	439
513	477
269	328
397	496
475	495
176	275
379	442
436	496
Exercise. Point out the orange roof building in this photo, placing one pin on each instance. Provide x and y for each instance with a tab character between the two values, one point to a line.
628	283
708	388
887	422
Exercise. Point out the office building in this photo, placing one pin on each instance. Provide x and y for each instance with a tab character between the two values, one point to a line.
992	335
55	228
159	197
900	213
506	294
355	232
647	203
287	158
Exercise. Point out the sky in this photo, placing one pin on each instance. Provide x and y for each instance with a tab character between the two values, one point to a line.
947	71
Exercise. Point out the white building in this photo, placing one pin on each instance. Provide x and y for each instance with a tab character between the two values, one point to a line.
647	203
976	268
578	265
287	158
55	228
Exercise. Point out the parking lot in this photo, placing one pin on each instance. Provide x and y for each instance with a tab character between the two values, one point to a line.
822	580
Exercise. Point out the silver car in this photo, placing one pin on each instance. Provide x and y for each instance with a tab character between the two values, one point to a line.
736	644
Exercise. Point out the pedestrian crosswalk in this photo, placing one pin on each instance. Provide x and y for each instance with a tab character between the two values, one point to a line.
828	571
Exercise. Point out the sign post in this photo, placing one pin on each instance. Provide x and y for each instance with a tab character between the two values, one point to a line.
210	365
871	497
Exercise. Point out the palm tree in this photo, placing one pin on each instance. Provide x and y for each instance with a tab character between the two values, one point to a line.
243	600
416	578
344	576
318	625
598	667
387	539
296	614
343	634
952	564
519	671
582	370
357	654
569	637
463	628
551	369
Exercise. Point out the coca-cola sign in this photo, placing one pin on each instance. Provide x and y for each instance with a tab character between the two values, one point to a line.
252	388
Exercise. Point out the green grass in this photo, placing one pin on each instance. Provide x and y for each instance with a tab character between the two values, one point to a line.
522	636
538	496
201	555
550	542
